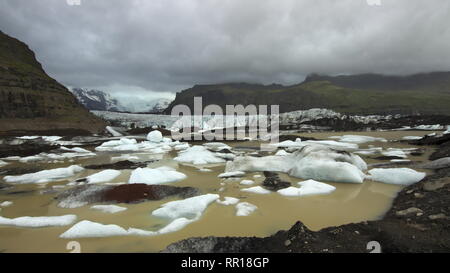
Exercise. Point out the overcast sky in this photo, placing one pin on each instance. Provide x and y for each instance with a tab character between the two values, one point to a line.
158	47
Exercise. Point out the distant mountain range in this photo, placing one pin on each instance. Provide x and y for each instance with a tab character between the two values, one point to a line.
425	93
102	101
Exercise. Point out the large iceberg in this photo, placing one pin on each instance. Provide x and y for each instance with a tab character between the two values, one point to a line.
191	208
308	187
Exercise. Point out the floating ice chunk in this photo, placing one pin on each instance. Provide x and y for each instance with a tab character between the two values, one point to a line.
429	127
231	174
103	176
411	137
51	138
75	149
176	225
87	229
282	153
28	137
45	176
257	190
204	170
6	204
245	209
124	157
344	146
397	176
36	222
400	160
247	182
216	146
188	208
359	139
155	136
108	208
228	201
113	132
447	131
259	164
226	155
182	146
257	176
124	144
327	170
198	155
159	175
395	152
308	187
3	163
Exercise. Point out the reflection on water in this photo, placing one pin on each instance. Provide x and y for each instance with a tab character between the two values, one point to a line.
349	203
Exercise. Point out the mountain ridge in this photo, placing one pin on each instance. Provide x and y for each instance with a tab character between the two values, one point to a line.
422	93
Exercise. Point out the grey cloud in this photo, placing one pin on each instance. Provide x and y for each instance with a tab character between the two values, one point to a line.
168	45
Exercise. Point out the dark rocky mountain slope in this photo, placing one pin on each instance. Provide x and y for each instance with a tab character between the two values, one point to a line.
30	100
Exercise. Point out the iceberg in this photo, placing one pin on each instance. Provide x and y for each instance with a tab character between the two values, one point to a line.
38	222
257	190
396	176
245	209
103	176
198	155
108	208
44	176
228	201
160	175
155	136
308	187
190	208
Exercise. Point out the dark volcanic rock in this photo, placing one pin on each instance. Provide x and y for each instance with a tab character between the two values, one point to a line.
20	170
282	138
126	193
387	157
417	222
442	151
25	149
273	182
121	165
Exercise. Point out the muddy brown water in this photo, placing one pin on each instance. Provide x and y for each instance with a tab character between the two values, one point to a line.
349	203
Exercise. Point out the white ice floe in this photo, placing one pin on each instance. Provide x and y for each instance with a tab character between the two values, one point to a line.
411	137
3	163
51	138
429	127
257	190
228	201
44	176
160	175
204	170
308	187
75	149
216	146
342	146
395	152
245	209
190	208
155	136
6	204
226	156
198	155
53	157
28	137
282	153
447	131
231	174
87	229
247	182
108	208
113	132
311	162
397	176
41	221
358	139
103	176
181	146
122	144
124	157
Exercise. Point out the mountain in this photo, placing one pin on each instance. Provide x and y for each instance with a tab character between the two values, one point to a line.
96	100
425	93
102	101
31	100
